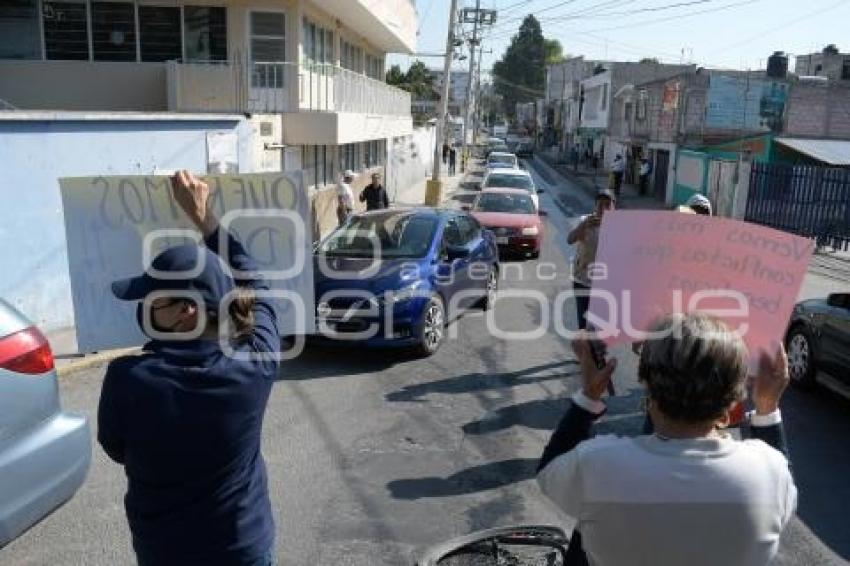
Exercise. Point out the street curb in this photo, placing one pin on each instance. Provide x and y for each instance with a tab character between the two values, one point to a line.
93	360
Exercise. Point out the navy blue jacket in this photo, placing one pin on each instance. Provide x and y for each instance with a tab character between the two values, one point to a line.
185	420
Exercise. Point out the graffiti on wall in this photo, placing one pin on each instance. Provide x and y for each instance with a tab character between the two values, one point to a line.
745	104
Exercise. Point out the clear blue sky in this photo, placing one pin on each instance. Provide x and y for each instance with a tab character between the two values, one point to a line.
741	35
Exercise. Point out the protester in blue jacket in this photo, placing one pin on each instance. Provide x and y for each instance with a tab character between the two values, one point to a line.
185	416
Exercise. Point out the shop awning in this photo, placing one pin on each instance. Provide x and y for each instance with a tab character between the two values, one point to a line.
831	152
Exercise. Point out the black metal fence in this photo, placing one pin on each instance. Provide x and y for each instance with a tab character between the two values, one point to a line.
801	199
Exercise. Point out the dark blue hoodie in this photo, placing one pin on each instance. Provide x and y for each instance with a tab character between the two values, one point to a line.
185	420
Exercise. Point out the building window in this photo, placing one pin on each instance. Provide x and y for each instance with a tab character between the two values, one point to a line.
66	33
845	70
205	33
317	162
318	44
113	30
374	67
20	37
268	49
374	152
351	57
159	33
349	156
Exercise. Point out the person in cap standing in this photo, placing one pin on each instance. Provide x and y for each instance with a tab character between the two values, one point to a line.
585	237
699	204
452	160
185	416
345	197
375	195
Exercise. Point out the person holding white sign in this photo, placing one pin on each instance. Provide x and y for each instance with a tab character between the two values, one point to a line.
687	494
185	417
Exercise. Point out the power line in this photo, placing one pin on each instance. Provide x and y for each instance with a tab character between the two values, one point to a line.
679	16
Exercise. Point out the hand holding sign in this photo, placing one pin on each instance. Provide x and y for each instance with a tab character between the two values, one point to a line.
770	381
193	195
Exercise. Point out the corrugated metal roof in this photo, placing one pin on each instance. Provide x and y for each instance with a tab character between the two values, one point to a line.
832	152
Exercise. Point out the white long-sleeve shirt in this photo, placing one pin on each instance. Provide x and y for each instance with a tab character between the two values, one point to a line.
645	501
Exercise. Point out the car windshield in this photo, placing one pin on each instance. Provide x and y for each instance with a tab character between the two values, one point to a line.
394	234
509	181
501	160
505	202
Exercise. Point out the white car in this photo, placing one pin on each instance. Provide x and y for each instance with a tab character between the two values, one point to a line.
509	178
501	159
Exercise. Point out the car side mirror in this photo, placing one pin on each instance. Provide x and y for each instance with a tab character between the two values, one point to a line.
541	191
456	252
542	213
838	300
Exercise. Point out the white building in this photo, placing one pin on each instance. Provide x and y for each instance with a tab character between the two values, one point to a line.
315	66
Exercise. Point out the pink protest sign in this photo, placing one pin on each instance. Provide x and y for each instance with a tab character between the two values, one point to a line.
653	263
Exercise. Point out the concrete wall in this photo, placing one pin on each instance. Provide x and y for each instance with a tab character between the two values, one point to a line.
83	85
820	110
39	148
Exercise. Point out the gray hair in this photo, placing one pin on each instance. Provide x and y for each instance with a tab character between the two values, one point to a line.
697	370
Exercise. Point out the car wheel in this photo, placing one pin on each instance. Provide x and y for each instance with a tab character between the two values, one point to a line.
432	327
801	359
490	290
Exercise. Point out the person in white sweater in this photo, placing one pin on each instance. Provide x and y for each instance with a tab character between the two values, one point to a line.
687	494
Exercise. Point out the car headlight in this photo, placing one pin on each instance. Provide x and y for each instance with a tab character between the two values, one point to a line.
530	231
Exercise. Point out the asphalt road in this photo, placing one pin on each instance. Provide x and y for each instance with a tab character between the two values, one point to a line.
373	456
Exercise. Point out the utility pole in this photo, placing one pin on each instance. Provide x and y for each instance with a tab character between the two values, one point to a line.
433	190
473	45
477	17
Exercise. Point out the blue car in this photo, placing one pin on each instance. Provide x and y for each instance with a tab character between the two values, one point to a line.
396	277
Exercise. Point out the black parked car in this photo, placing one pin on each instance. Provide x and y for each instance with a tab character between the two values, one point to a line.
818	339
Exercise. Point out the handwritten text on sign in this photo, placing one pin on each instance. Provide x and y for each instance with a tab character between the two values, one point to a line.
109	221
659	262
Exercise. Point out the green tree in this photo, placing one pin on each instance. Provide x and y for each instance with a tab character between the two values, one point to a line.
520	74
650	60
396	77
418	80
830	49
554	51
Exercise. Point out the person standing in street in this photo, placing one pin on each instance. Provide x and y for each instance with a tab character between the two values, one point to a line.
445	153
452	160
185	416
345	197
585	237
374	195
643	176
617	169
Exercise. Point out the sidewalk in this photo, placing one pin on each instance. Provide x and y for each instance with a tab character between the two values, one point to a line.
415	194
592	181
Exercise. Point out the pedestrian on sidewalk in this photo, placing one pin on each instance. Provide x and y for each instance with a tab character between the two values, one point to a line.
185	416
618	168
585	237
445	152
643	176
452	160
375	195
345	197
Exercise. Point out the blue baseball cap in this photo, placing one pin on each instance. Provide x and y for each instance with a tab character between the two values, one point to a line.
206	276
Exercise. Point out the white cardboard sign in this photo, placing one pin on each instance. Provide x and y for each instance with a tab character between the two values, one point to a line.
111	222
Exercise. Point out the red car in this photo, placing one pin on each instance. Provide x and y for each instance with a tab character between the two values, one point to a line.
512	216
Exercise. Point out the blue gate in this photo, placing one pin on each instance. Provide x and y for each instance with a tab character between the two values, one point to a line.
801	199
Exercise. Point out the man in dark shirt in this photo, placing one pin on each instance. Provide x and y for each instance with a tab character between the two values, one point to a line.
375	195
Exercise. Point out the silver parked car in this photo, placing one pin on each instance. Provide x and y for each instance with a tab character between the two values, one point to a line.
44	451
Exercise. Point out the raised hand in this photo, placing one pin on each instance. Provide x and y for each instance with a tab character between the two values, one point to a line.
594	380
192	195
770	381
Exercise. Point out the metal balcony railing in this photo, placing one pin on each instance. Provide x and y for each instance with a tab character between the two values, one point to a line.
261	86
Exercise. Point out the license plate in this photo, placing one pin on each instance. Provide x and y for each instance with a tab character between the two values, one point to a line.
502	240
